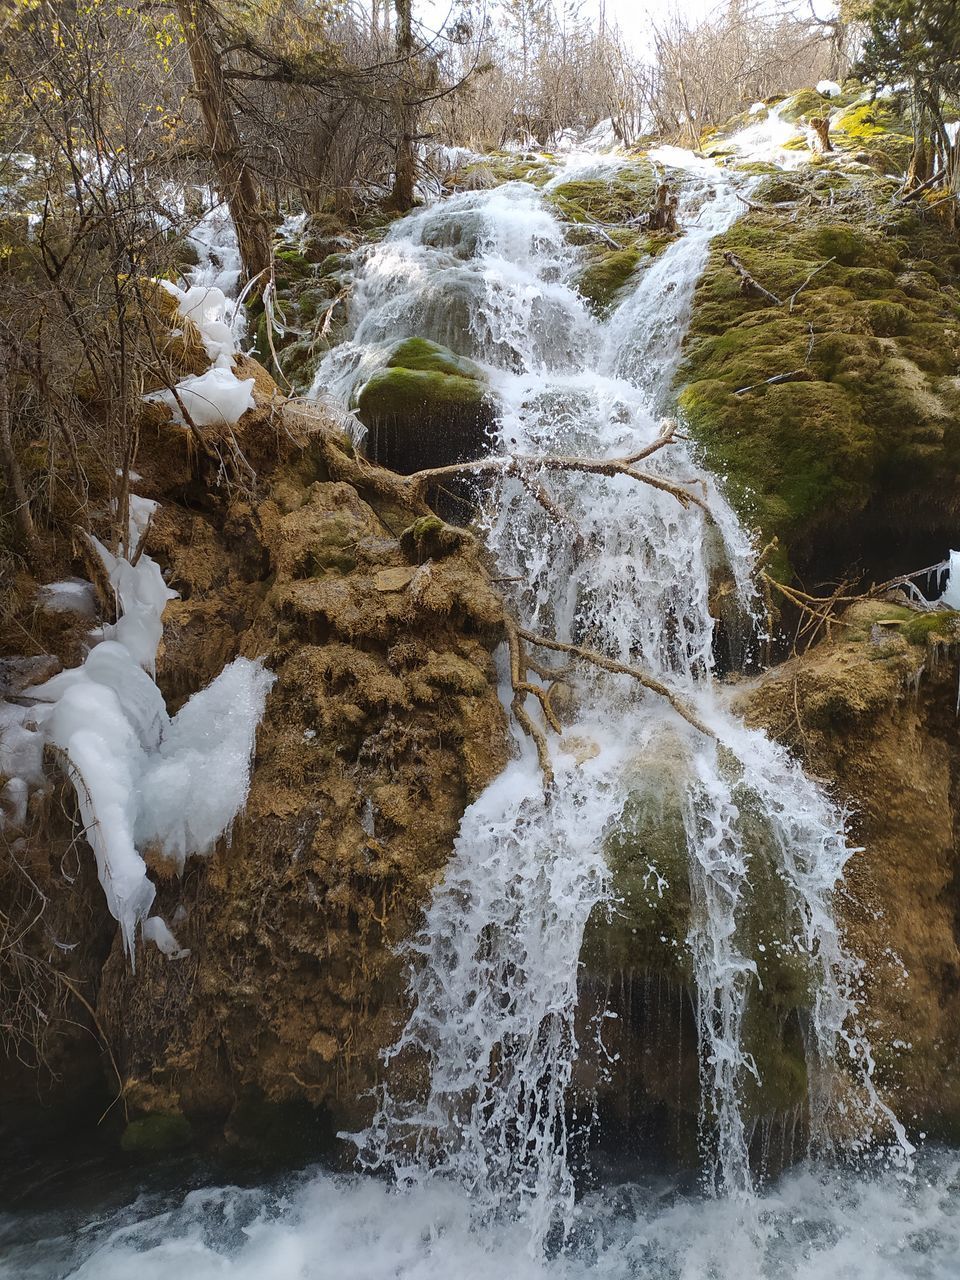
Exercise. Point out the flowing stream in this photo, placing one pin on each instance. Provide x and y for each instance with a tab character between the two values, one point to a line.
480	1152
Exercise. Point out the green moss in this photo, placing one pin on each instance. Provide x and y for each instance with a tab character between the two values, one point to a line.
941	625
602	278
875	123
626	194
870	412
805	103
426	407
430	357
647	928
155	1134
398	393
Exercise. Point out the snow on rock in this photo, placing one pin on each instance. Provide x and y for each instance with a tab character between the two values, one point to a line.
73	595
215	398
829	88
142	780
207	307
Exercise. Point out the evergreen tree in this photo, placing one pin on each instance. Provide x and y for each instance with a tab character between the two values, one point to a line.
918	41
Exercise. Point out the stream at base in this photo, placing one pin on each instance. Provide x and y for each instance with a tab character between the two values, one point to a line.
817	1223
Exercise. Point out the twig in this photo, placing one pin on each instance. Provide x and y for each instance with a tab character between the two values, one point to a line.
793	297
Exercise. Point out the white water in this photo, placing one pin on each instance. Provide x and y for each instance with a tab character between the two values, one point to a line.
494	972
816	1224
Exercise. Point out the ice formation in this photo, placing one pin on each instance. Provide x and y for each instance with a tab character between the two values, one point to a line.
215	397
951	587
218	396
829	88
142	780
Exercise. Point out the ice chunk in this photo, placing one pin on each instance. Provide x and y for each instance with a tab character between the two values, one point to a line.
829	88
14	798
215	398
198	782
21	744
207	307
951	589
104	759
141	779
155	930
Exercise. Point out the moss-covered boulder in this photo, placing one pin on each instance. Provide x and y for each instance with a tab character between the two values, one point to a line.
156	1134
833	416
426	407
614	198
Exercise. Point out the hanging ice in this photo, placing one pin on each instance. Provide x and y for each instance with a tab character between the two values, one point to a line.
143	780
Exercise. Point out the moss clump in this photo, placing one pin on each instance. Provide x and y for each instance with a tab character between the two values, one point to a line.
431	538
805	103
605	275
156	1134
876	123
426	407
626	194
941	626
647	929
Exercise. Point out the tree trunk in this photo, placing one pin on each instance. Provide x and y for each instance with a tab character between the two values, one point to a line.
405	163
234	178
13	480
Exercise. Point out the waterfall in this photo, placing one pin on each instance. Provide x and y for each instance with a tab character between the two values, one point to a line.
490	1046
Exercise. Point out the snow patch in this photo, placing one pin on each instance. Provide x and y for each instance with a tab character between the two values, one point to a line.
829	88
73	595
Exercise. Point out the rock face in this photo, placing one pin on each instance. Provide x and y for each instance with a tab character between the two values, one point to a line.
873	713
383	724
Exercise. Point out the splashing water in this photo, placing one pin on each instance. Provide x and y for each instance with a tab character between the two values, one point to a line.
627	571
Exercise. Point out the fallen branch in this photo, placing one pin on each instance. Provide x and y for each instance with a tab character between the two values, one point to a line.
526	466
793	297
619	668
793	376
750	285
924	186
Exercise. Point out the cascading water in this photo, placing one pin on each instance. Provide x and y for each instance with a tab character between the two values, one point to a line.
477	1130
626	571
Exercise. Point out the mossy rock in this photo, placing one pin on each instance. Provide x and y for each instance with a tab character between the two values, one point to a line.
156	1134
941	626
869	413
426	407
605	275
874	123
646	930
806	103
625	194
